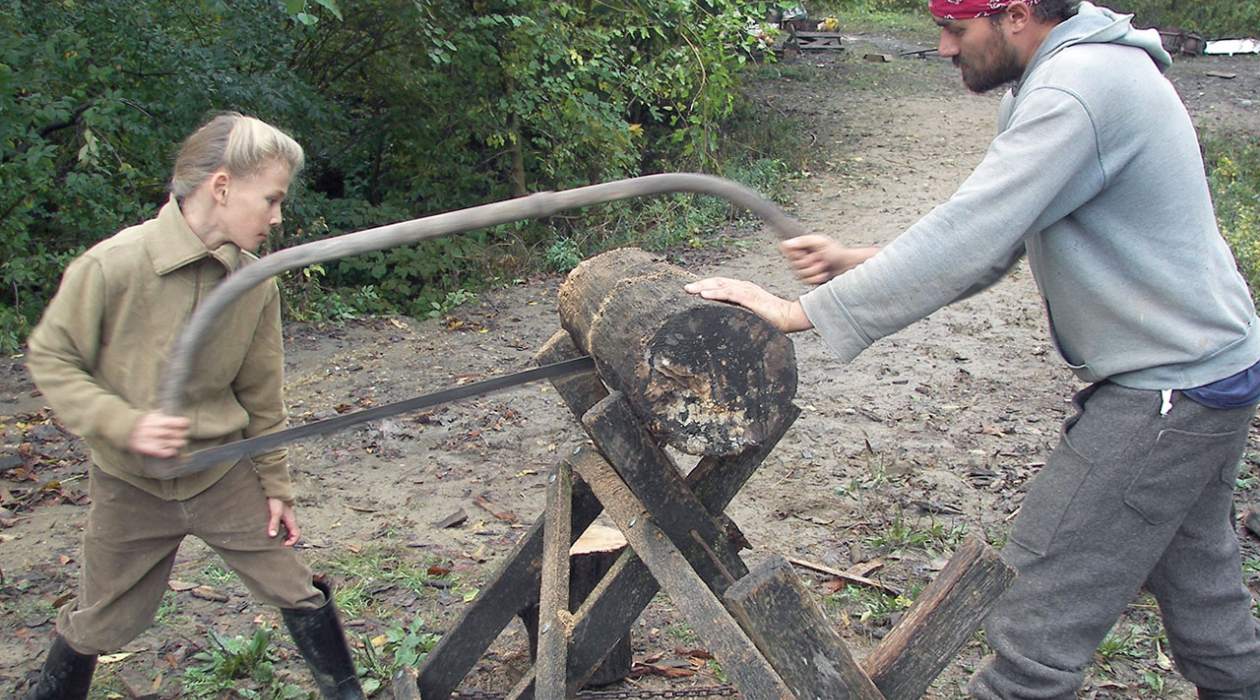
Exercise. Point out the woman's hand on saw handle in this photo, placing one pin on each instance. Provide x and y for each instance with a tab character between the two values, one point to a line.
817	259
787	316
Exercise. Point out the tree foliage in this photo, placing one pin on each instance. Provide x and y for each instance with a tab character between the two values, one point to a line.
406	108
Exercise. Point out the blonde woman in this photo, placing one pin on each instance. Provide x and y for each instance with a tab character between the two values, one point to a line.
97	355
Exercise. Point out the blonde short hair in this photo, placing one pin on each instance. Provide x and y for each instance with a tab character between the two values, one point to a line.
232	141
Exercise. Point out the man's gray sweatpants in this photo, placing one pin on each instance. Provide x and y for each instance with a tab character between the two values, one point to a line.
1128	498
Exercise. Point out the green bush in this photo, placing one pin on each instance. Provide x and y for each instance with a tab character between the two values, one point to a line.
1233	166
406	109
1212	19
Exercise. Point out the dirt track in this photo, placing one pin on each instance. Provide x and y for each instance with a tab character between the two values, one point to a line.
929	434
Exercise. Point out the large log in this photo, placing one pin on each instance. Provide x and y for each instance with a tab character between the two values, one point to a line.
705	377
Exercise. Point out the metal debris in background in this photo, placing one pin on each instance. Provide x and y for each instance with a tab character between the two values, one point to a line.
1229	47
1178	41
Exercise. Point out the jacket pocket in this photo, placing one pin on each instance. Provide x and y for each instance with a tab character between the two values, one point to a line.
1176	470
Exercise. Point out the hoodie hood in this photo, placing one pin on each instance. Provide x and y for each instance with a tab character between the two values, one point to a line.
1099	25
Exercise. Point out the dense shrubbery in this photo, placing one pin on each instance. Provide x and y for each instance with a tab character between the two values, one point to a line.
1213	19
406	108
1234	174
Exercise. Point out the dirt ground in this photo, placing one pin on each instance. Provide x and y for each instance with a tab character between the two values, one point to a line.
929	435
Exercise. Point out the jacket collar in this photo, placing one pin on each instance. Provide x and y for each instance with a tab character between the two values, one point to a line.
171	244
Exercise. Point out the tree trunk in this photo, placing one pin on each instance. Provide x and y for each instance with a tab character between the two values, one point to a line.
705	377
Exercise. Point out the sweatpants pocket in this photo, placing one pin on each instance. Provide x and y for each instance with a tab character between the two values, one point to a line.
1175	471
1049	497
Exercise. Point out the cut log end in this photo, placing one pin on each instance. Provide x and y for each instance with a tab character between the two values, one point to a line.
705	377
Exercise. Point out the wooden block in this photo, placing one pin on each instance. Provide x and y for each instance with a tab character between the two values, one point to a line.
781	617
590	559
515	585
628	587
656	481
554	619
940	622
747	669
405	685
878	57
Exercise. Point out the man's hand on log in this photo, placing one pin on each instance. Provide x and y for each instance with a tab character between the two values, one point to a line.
817	259
787	316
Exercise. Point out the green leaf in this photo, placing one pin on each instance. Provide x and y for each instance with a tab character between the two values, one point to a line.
331	6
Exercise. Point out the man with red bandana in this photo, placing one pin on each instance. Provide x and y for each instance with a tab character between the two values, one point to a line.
1096	176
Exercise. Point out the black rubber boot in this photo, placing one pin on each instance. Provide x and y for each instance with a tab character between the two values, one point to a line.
1251	692
319	638
66	674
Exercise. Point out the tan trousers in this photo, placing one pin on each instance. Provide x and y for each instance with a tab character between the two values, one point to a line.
129	548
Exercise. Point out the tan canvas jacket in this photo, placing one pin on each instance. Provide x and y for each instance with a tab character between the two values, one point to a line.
98	353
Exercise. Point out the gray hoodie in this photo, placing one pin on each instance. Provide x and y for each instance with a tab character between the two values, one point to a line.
1096	174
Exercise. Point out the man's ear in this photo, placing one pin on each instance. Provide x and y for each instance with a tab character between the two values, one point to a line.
219	182
1018	14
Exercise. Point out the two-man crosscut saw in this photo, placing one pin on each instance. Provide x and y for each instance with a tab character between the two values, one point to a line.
232	451
201	325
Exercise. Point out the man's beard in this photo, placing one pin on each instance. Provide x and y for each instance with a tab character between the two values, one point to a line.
999	65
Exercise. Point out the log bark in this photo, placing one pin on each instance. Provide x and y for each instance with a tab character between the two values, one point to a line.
785	623
705	377
943	618
554	618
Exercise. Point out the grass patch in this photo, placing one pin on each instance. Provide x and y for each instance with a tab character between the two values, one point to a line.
375	567
244	665
400	647
868	605
215	574
909	18
932	536
682	633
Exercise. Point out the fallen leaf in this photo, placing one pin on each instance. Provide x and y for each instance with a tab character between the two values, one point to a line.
114	658
180	586
436	570
208	593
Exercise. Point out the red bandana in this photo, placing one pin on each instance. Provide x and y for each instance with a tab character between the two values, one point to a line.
969	9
